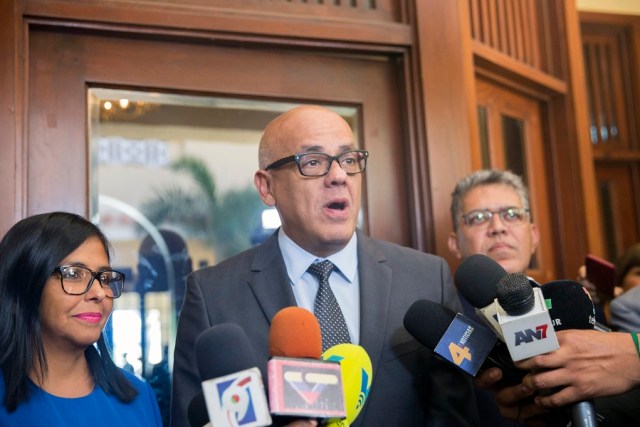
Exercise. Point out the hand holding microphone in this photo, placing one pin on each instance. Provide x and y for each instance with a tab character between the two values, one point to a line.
570	308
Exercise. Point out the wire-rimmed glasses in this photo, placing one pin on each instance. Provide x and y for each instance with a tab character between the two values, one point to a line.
509	216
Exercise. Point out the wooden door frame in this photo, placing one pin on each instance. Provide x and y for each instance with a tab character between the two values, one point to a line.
431	89
529	111
388	208
12	101
439	62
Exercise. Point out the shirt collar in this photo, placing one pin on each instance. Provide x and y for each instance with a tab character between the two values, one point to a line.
297	260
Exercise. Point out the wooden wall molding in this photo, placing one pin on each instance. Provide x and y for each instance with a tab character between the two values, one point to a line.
167	16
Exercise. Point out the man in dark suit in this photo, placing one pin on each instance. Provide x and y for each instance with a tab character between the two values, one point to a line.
490	213
490	216
375	282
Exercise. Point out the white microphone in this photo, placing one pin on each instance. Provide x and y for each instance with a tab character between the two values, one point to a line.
524	318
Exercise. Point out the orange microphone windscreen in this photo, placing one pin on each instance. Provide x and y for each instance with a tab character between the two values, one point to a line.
295	332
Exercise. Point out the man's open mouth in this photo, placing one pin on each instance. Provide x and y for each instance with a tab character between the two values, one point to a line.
337	205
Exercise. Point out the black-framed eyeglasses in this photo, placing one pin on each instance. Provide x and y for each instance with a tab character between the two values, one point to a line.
509	216
318	164
76	280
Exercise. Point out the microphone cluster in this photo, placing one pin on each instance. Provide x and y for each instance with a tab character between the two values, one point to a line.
517	319
302	381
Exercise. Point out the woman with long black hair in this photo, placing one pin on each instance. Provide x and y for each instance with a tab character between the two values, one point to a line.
56	294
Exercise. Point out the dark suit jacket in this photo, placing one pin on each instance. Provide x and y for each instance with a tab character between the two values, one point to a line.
409	388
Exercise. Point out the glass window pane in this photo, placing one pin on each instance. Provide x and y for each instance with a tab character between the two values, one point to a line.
609	231
484	137
172	188
513	137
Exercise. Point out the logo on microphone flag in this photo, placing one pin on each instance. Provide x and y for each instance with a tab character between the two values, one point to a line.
237	400
306	387
530	334
466	344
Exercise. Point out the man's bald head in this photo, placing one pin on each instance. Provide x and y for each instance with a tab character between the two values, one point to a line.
292	127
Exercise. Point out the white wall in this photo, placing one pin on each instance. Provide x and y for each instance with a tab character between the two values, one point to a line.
622	7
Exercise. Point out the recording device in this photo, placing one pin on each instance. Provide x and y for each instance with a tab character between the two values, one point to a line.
602	274
469	345
300	384
570	307
569	304
231	382
477	279
524	318
356	368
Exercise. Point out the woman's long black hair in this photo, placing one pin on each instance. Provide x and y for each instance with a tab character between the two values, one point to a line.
29	252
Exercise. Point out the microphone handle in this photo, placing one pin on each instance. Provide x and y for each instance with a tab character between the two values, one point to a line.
583	414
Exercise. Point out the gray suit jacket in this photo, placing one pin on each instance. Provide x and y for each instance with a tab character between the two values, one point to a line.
409	388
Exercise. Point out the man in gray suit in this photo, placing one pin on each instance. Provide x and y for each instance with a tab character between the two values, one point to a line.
375	282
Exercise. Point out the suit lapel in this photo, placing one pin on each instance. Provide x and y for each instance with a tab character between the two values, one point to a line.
375	289
269	283
269	279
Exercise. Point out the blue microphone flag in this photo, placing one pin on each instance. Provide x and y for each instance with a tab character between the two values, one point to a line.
466	344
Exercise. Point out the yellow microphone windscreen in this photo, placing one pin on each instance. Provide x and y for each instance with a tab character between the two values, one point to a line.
356	378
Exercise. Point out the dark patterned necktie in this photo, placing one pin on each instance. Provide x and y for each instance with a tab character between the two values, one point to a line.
332	325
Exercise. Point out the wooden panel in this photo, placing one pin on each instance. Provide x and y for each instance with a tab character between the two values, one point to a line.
449	110
515	71
573	171
532	31
386	24
612	59
64	64
525	31
607	66
381	10
619	197
11	86
499	102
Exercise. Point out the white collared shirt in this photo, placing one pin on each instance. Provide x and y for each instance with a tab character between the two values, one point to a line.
344	282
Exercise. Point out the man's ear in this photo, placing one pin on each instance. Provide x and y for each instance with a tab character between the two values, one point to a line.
535	238
453	245
262	181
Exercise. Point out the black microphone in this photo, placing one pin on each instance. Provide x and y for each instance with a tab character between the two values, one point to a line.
474	346
477	280
231	381
569	304
515	294
197	411
571	307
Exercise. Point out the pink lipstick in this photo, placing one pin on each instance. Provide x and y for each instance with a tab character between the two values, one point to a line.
89	317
